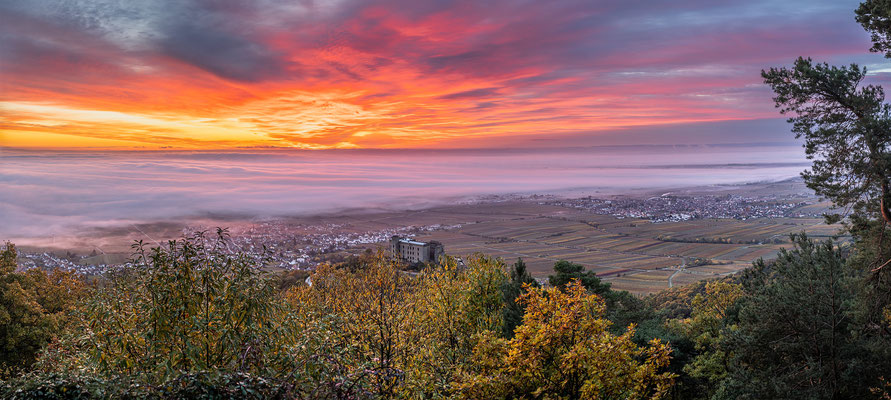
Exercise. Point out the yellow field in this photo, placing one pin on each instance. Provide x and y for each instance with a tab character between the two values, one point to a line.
626	252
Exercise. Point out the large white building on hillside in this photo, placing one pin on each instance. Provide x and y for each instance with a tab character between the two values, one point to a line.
412	251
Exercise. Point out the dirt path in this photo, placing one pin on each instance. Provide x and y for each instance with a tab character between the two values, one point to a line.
683	265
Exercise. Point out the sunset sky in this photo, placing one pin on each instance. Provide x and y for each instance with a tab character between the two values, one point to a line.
153	74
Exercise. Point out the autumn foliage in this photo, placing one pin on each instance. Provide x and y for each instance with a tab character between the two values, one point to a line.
190	315
564	349
193	319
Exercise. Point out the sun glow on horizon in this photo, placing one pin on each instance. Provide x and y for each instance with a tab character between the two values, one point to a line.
388	74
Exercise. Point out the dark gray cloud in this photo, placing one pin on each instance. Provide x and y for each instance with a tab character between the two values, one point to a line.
231	38
221	53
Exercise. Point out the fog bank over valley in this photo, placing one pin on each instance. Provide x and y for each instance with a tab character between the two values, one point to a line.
47	193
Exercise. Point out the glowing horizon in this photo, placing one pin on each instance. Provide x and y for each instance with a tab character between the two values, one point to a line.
112	74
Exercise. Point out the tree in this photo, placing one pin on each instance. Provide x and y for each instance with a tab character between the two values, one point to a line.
875	16
622	307
520	279
453	308
388	334
565	272
327	363
847	130
795	337
34	307
188	307
564	350
370	315
707	328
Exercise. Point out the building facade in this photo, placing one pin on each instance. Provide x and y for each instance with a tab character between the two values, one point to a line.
412	251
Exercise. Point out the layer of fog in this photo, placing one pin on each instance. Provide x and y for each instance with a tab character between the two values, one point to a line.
46	193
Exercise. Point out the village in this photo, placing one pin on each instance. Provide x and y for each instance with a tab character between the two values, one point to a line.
672	208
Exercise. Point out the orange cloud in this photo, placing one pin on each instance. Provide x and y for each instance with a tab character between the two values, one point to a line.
389	73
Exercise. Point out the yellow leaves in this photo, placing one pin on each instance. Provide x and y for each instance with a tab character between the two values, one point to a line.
709	310
572	305
718	297
422	328
8	259
371	313
563	349
706	327
887	315
454	307
33	307
378	329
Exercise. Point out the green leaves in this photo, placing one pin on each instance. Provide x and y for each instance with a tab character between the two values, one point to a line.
795	335
188	307
512	290
846	128
566	272
847	132
209	385
875	17
796	326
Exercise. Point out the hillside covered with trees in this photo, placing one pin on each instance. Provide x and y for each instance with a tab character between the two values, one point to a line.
190	319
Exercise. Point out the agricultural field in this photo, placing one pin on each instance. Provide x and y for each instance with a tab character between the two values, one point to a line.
632	254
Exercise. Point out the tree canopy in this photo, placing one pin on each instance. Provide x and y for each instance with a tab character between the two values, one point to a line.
875	17
847	129
34	306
